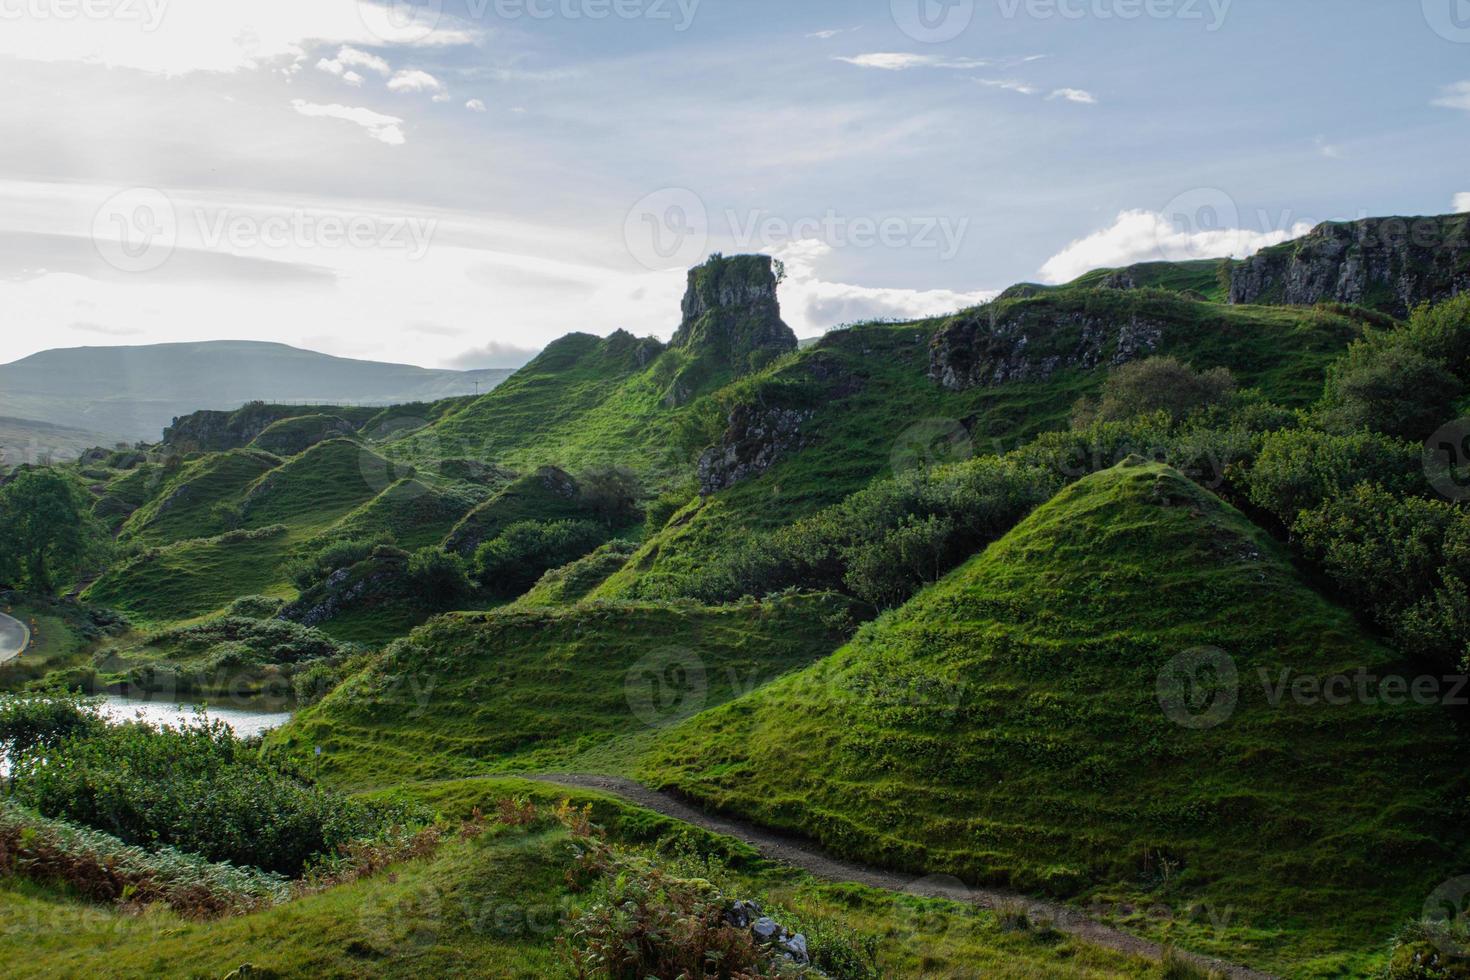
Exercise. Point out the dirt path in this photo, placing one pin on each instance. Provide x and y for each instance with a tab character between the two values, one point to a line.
802	854
14	638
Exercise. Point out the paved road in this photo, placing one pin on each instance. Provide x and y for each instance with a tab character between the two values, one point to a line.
14	637
800	854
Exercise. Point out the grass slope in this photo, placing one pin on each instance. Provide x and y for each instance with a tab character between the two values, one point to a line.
185	506
1005	726
524	690
192	578
414	513
318	487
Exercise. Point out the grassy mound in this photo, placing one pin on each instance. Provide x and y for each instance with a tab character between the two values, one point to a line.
188	505
288	437
549	494
192	578
318	487
414	513
524	690
1006	726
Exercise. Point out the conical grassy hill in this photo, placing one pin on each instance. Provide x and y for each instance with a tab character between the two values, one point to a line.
1007	726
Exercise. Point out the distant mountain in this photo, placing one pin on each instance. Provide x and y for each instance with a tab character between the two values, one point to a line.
131	393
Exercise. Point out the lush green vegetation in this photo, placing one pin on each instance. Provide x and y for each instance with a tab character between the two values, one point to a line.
1006	726
48	532
525	690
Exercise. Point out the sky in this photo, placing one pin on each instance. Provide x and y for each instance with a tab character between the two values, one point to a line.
456	183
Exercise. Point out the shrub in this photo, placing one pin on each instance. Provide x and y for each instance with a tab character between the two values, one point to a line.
27	723
438	578
612	493
1384	385
255	607
1442	333
309	572
1157	384
511	563
1302	469
196	788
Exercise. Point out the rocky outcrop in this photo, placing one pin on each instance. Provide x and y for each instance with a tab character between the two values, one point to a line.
217	432
757	436
732	319
1389	264
988	348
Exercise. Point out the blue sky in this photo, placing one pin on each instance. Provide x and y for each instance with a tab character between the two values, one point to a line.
458	186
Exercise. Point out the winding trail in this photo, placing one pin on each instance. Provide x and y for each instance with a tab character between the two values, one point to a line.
14	638
802	854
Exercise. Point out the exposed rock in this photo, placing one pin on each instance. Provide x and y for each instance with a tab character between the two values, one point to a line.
984	349
756	437
766	929
796	948
378	579
732	322
215	432
1390	264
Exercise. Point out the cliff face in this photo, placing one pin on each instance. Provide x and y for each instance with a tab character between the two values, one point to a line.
1390	264
732	321
1031	344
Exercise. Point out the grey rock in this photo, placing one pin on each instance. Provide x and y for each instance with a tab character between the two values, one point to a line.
754	440
767	930
796	948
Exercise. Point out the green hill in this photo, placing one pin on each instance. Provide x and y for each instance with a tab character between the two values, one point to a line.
316	488
1006	726
187	506
525	690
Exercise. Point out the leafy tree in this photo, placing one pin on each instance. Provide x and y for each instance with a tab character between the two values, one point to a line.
47	532
1157	384
1442	333
1383	384
437	577
612	493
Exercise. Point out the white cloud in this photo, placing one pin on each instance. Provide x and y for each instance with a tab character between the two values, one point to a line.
475	105
1329	150
1462	203
1078	95
1008	85
902	61
811	304
1147	236
830	34
413	80
385	129
182	36
1456	96
350	58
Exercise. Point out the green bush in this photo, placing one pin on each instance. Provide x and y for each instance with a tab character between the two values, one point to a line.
1302	469
196	788
438	578
309	572
1157	384
1442	333
28	723
1385	385
511	563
